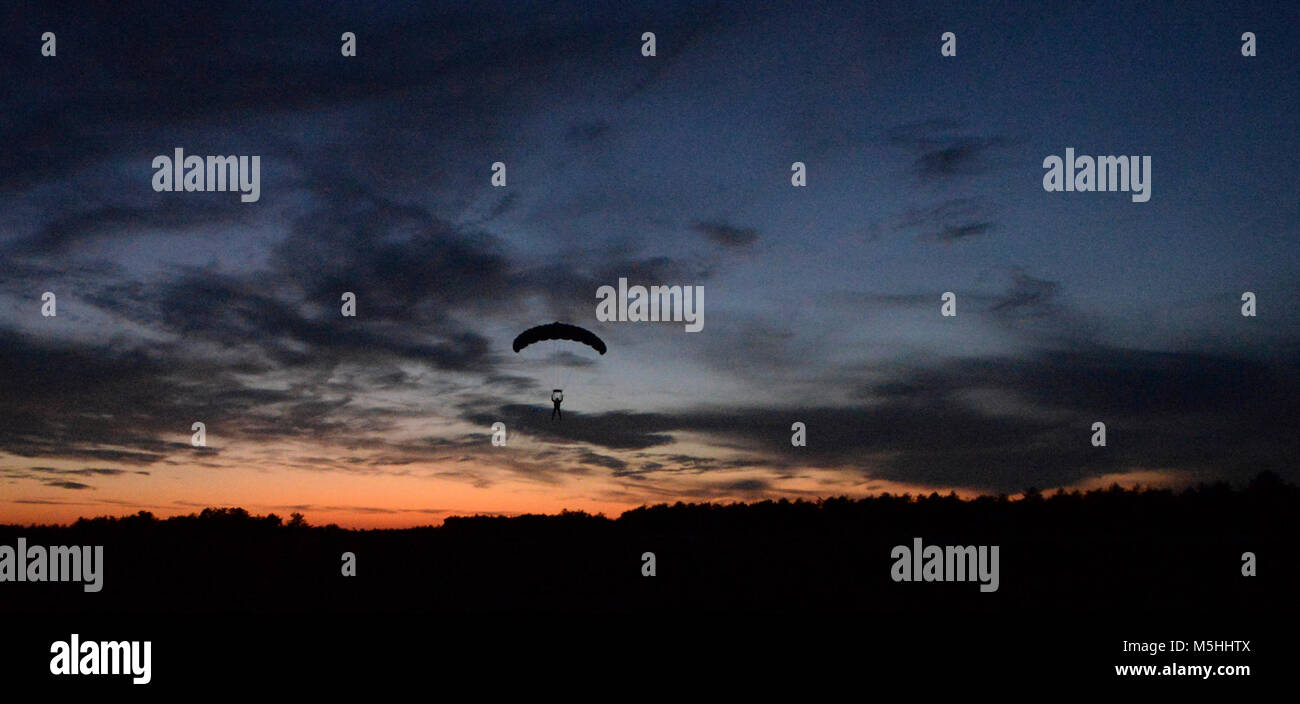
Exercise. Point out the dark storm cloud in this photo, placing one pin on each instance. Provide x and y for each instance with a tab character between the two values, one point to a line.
747	485
599	460
475	479
483	60
85	472
19	275
416	278
744	489
863	299
961	156
639	473
951	233
569	286
408	266
675	33
1028	296
215	70
1188	412
617	430
68	485
413	275
586	132
502	206
422	283
94	403
58	398
1024	297
237	311
512	383
727	235
680	464
52	502
942	151
949	221
568	359
403	253
68	232
1165	410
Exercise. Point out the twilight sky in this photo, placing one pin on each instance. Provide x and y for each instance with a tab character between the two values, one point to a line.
821	303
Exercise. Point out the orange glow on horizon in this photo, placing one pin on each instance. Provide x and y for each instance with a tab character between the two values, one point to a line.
404	497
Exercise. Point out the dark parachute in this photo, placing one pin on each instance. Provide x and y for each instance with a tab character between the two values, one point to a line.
559	331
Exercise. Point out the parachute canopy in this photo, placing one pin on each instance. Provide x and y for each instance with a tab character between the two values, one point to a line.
559	331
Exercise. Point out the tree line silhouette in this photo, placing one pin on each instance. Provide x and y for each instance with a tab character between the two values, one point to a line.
1140	548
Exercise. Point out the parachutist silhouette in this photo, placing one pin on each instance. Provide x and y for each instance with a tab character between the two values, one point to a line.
558	331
